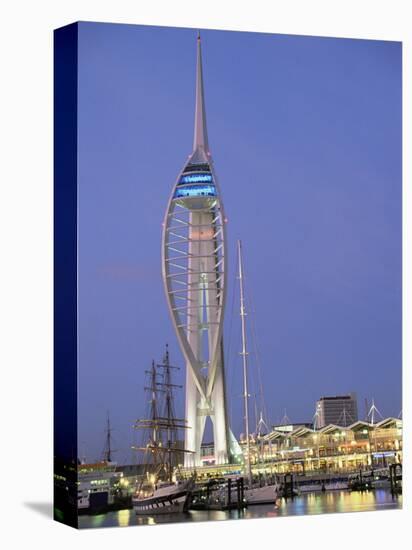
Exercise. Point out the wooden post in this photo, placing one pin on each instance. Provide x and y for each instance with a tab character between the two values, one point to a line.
394	477
243	490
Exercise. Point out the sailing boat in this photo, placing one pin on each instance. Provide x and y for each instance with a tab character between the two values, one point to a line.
160	490
269	492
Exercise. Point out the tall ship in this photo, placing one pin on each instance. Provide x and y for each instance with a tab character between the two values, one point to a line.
161	489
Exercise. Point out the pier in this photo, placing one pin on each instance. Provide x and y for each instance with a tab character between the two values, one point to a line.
219	494
395	477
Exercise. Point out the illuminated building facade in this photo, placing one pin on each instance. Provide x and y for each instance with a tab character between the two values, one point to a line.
332	449
194	276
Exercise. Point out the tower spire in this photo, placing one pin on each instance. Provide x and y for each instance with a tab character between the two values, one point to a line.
200	140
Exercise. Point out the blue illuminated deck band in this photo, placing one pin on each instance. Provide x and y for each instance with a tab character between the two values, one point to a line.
196	178
196	191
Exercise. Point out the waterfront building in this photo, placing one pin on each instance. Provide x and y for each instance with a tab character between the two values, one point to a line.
207	454
332	449
194	268
339	409
97	484
131	476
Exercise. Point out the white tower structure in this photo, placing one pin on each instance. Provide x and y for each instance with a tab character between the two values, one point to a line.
194	275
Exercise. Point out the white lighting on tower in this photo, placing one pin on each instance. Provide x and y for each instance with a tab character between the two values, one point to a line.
194	266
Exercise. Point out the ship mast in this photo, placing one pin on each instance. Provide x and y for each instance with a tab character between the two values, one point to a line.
108	451
244	355
169	419
153	423
153	403
109	445
163	425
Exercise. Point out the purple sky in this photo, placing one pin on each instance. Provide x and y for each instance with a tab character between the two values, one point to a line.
306	137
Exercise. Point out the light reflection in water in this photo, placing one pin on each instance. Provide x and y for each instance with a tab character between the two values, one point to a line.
311	503
123	517
96	521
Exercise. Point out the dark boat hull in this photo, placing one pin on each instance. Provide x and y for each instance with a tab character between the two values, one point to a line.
166	504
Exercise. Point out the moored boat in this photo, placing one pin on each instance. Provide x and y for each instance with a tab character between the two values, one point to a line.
160	489
267	494
322	486
166	498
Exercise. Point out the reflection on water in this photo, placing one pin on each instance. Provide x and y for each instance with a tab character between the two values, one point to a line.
123	517
341	501
313	503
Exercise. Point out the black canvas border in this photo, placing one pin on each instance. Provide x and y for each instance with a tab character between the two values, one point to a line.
65	273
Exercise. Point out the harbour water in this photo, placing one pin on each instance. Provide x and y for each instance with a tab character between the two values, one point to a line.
312	503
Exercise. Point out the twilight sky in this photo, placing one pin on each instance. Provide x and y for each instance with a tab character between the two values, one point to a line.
305	134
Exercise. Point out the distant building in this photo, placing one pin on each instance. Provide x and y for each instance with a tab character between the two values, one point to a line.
340	410
207	453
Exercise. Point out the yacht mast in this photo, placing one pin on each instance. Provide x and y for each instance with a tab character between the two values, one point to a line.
108	440
244	355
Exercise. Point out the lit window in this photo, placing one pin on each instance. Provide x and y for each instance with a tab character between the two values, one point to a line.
196	178
196	191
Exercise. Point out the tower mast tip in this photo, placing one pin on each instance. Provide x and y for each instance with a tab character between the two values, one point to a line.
200	140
